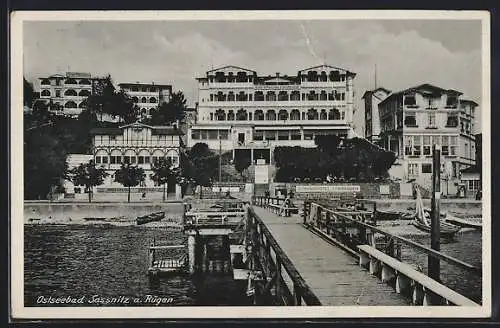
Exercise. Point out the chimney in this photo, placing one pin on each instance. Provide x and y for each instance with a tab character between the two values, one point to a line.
277	74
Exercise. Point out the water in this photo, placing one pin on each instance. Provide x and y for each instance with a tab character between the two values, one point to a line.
97	263
467	247
111	261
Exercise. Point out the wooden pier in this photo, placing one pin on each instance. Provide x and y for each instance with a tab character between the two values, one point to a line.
326	256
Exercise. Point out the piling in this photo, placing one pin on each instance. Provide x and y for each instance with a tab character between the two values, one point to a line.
434	262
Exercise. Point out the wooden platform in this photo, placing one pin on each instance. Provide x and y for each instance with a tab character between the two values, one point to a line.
333	275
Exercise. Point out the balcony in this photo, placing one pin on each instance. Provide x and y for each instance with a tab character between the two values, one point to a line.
285	103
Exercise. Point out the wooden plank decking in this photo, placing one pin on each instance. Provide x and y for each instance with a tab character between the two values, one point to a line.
332	274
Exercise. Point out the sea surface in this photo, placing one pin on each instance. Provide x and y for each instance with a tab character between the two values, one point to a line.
105	265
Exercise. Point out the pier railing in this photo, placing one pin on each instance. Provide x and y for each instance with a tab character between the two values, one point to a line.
280	206
381	253
284	283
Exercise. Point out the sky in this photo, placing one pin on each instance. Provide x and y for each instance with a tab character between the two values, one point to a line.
406	53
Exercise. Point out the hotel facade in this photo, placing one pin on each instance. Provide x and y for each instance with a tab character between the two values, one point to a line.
413	120
147	96
240	110
68	93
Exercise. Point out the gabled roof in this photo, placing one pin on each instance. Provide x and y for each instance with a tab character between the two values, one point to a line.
156	130
136	124
374	91
328	66
425	89
231	66
468	101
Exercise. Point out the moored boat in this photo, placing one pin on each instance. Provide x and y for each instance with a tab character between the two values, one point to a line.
94	219
158	216
476	223
422	220
382	215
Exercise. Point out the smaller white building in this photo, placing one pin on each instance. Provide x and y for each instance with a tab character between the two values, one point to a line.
137	144
73	161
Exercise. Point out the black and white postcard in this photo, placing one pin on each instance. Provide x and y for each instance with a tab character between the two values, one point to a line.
258	164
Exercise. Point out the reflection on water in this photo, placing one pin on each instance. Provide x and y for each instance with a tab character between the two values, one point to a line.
110	262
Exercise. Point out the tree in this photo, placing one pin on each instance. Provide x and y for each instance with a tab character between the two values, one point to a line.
167	113
242	161
105	99
162	172
86	174
201	166
28	93
129	176
44	163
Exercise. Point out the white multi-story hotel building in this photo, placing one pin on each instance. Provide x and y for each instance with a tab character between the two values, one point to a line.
241	110
67	92
147	95
413	120
137	144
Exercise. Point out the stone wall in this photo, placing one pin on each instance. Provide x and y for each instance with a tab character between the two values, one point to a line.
78	211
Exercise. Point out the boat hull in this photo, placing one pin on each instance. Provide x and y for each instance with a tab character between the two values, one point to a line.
446	230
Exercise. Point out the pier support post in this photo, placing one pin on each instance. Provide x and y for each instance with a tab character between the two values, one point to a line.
434	262
191	252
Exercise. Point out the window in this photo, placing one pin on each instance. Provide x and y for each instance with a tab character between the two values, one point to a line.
410	121
224	134
104	159
204	134
417	145
58	93
453	145
230	115
408	145
410	101
195	134
270	135
426	168
258	135
140	160
308	135
445	150
412	169
258	115
212	134
98	159
451	101
473	184
427	145
283	135
431	120
295	135
45	93
452	121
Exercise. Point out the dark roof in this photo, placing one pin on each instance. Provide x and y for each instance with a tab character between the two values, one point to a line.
472	169
109	131
468	101
156	130
375	90
425	88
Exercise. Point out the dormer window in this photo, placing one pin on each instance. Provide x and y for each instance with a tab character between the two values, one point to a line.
451	102
410	101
